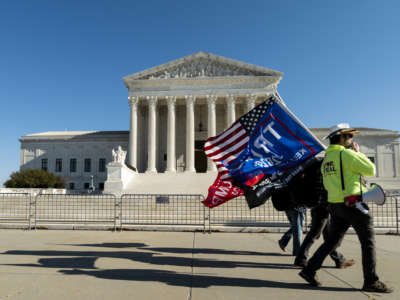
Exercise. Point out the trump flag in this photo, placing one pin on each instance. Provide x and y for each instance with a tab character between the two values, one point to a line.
268	142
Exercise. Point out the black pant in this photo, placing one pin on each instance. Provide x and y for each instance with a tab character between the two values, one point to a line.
319	224
342	217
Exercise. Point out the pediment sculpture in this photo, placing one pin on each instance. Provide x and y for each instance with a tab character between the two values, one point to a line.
201	67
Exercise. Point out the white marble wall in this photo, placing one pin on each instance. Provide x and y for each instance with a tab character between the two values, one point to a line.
32	154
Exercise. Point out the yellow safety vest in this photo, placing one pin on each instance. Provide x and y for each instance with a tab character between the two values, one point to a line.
354	164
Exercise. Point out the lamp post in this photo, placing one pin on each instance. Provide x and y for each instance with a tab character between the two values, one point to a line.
91	188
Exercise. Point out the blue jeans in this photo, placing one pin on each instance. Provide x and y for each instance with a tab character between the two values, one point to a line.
295	218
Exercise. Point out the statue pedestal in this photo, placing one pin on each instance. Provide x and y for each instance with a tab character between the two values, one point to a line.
118	177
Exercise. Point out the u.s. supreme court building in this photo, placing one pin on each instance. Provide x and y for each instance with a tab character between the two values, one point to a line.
174	107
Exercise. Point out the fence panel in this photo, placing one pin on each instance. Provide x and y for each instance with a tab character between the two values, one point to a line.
76	209
397	200
237	213
384	215
15	207
162	209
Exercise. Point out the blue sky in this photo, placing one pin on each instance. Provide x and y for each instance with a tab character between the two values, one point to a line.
62	62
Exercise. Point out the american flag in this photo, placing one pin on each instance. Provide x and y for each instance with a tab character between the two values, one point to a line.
223	149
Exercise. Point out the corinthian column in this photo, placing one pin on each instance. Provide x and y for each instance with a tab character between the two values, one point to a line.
151	157
230	102
190	133
251	102
171	157
396	159
133	132
212	126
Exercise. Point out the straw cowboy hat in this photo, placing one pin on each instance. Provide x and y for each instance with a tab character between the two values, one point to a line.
342	128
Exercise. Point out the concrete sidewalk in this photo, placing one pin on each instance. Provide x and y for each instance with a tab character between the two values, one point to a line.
46	264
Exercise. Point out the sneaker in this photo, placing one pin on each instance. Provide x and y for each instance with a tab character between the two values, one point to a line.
311	279
346	264
282	246
301	264
377	287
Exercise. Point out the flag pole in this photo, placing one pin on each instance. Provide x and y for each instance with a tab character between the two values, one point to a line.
283	105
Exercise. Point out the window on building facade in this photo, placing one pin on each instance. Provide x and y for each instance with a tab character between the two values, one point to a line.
372	158
71	185
388	165
86	186
44	164
58	165
72	165
101	186
102	165
88	165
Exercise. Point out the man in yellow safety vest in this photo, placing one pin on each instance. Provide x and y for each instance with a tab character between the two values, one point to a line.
342	169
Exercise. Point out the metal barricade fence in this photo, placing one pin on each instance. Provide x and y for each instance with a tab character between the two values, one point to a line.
385	215
16	207
162	209
76	209
397	200
236	213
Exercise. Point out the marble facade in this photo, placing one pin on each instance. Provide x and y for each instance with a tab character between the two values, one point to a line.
44	150
179	104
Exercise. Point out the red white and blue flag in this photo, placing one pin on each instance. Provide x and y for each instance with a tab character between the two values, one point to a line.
268	142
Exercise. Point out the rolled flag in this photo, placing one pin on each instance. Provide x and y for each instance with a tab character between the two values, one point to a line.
225	190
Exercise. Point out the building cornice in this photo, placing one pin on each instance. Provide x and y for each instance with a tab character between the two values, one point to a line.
364	132
75	136
204	81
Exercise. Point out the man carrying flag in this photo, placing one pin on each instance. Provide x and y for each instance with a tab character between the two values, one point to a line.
262	150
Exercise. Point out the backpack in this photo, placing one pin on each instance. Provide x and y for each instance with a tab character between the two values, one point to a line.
305	189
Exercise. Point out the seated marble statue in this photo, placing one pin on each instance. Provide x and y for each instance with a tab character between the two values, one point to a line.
119	155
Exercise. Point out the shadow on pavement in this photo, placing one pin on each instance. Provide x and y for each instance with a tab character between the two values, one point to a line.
83	263
109	245
143	257
195	281
180	250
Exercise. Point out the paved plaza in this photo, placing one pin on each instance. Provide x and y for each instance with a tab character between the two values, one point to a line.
73	264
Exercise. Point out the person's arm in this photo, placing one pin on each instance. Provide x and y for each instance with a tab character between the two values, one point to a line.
361	164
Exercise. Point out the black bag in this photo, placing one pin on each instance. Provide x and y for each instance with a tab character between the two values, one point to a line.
305	189
283	199
254	196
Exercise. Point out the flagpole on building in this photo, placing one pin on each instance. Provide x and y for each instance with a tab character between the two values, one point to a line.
297	119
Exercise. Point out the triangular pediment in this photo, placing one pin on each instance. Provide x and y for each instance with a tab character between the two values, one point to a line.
202	64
